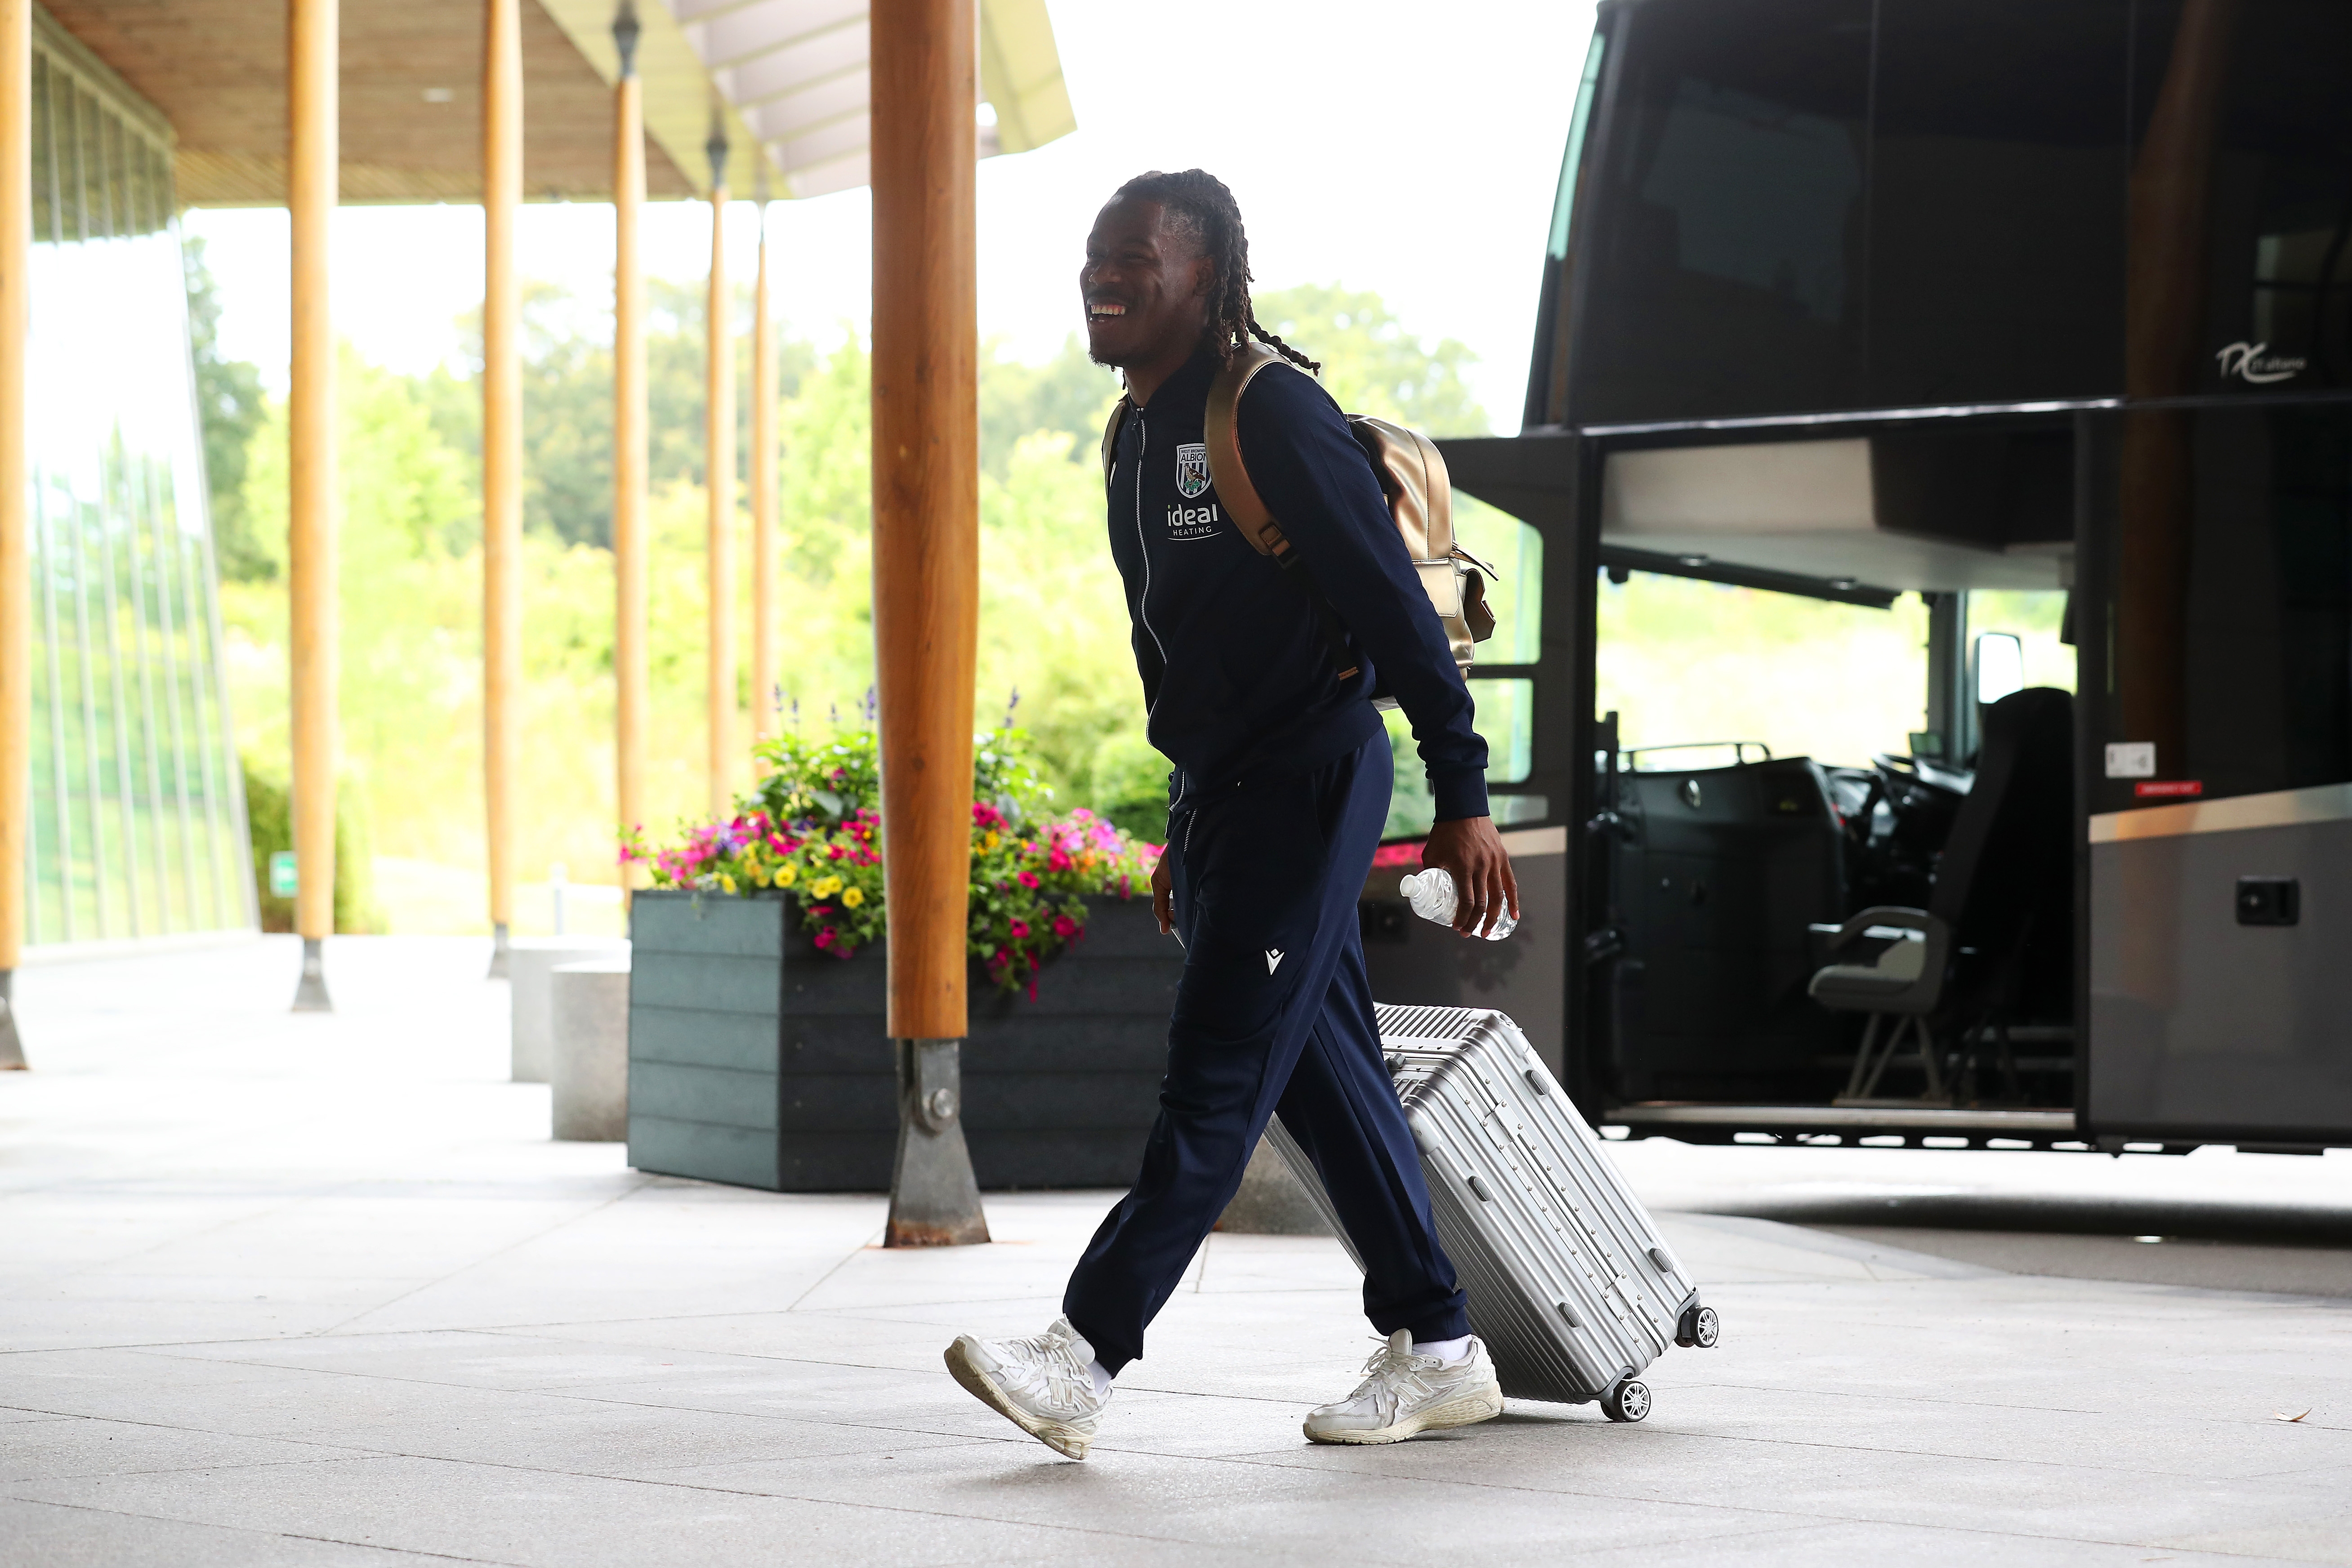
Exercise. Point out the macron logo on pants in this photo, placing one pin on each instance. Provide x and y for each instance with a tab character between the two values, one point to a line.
1273	959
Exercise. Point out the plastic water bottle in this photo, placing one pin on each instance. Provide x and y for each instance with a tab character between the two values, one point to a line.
1430	892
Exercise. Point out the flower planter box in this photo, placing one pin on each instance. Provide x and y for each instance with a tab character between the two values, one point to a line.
756	1060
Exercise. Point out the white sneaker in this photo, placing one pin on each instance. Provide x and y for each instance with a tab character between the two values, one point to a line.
1043	1385
1404	1395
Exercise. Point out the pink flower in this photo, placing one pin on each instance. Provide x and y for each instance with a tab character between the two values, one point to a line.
839	851
1059	860
825	937
1064	927
1027	880
1020	930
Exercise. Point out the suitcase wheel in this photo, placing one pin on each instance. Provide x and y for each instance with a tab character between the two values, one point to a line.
1700	1327
1629	1401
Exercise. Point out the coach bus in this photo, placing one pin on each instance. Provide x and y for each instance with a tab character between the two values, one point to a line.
1905	309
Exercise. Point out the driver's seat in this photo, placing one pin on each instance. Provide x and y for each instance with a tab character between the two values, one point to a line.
2006	869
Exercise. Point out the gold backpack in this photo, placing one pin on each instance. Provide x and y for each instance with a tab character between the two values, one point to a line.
1413	477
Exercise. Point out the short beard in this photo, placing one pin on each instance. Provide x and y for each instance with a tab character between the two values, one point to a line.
1106	363
1208	340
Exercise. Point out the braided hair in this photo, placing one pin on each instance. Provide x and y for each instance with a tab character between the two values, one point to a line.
1200	201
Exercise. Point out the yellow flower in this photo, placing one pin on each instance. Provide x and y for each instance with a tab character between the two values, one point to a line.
759	874
726	883
786	876
851	898
991	841
825	888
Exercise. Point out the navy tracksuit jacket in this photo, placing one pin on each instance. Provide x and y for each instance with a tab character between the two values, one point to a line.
1277	803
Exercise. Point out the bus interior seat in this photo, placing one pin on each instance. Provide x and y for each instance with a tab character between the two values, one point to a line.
1715	874
1995	946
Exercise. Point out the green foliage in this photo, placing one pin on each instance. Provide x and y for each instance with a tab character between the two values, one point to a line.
1068	391
832	778
1130	783
229	403
567	400
269	820
1371	364
829	779
827	471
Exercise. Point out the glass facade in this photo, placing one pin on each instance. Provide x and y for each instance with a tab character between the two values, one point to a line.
137	824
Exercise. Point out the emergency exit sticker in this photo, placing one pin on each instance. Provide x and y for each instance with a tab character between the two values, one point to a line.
2131	759
2167	789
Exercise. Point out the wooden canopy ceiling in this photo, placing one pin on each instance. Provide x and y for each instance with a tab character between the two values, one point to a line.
786	78
411	98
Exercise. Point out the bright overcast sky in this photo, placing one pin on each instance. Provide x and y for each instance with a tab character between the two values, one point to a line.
1408	149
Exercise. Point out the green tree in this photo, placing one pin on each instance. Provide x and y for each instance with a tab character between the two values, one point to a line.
1068	391
567	400
1371	364
230	405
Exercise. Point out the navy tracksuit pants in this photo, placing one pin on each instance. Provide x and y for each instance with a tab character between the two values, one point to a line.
1274	1014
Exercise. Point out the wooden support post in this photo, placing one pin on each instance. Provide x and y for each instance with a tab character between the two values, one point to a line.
719	473
15	542
312	61
764	699
629	436
501	456
926	581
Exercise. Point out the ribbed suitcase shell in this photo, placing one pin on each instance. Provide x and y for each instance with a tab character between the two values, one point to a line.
1569	1284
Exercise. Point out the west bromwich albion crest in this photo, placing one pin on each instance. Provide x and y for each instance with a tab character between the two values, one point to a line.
1192	468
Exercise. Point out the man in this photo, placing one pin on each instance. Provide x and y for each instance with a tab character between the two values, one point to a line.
1259	684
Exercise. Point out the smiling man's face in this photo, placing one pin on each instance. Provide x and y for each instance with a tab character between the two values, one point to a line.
1145	286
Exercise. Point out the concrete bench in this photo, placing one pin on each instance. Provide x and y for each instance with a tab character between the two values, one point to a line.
531	961
589	1068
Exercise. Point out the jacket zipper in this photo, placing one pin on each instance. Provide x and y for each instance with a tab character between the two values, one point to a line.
1143	602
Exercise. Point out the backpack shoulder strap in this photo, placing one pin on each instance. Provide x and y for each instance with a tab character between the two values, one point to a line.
1226	470
1116	422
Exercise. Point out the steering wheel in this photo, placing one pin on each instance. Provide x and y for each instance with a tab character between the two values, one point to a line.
1923	806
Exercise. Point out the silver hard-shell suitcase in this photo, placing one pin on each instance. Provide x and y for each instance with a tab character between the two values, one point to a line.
1570	1283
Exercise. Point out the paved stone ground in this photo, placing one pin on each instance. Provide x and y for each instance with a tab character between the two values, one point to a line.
280	1290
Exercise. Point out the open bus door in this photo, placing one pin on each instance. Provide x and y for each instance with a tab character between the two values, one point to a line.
1711	881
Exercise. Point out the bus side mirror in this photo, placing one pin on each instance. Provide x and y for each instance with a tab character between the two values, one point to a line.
2001	667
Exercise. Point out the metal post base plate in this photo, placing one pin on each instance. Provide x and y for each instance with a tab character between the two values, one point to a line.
934	1199
311	995
12	1044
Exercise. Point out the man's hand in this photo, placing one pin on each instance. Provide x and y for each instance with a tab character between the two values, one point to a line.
1163	890
1472	852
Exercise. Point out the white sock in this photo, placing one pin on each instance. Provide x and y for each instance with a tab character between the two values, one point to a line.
1102	1378
1450	1352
